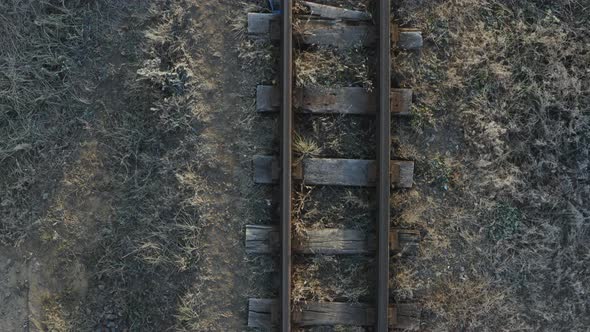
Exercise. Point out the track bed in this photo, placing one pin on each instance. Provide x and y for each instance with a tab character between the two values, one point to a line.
296	168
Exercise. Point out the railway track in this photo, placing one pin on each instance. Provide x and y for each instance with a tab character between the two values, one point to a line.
334	27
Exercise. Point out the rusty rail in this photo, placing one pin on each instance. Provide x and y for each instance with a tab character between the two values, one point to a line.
286	88
383	157
334	27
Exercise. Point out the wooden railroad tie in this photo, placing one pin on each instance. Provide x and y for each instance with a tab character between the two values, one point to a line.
325	25
336	13
349	100
407	38
264	314
336	172
341	32
262	239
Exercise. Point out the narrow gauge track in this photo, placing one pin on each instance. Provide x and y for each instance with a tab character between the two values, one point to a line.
332	27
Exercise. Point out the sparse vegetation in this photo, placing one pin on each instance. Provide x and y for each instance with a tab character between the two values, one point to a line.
506	221
127	130
331	278
54	319
326	67
305	147
505	83
422	117
102	110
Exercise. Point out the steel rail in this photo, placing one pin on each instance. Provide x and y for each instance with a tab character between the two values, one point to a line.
383	157
286	86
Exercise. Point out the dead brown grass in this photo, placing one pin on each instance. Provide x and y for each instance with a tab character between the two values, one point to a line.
326	67
331	278
94	101
506	83
100	163
38	81
338	136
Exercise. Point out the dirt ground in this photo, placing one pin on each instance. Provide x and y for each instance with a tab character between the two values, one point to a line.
126	142
127	130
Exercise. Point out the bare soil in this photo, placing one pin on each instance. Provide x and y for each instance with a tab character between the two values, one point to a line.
126	198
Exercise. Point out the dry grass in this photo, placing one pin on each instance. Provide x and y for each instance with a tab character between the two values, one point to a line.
328	207
39	81
95	103
55	318
506	83
331	278
338	136
326	67
305	147
98	115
